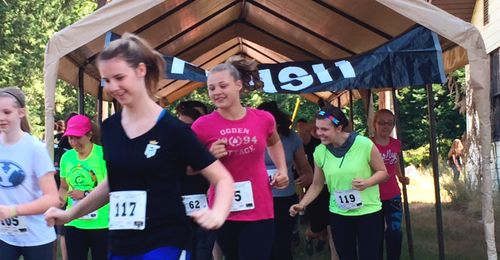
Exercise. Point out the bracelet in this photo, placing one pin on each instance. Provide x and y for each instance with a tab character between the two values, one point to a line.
13	211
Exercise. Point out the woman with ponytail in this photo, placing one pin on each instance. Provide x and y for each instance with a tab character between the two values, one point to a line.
239	137
27	184
147	152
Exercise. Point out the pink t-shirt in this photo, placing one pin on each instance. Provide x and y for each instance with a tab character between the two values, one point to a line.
246	146
390	154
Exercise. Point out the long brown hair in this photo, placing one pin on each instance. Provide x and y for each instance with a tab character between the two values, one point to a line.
241	68
134	50
19	98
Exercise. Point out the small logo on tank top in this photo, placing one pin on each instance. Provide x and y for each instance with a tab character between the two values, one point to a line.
151	149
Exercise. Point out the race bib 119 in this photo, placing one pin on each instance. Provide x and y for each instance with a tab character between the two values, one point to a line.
348	199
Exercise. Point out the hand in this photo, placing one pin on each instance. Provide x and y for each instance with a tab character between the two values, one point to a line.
304	181
218	148
55	216
208	219
404	180
280	180
7	212
361	184
296	208
76	194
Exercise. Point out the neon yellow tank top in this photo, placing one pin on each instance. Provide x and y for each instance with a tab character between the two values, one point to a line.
340	171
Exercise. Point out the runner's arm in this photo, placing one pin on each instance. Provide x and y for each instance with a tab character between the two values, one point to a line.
48	199
95	200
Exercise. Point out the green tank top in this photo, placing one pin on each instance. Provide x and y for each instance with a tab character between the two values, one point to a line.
340	171
85	175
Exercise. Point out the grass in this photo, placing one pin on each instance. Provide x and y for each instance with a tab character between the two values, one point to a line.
463	229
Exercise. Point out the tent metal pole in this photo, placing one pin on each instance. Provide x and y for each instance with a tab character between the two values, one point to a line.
99	105
406	207
351	110
435	169
81	92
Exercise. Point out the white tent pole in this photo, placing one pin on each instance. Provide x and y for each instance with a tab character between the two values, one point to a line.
468	37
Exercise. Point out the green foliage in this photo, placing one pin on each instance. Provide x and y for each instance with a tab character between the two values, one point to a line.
460	195
418	157
415	120
25	28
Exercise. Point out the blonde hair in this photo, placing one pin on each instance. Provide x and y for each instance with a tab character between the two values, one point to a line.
19	98
134	50
456	148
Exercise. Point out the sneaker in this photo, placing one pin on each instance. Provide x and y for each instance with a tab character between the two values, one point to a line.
309	247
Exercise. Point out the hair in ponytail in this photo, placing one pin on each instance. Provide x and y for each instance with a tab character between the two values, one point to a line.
134	50
19	98
241	68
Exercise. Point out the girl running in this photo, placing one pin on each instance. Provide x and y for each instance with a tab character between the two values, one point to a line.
82	169
390	194
352	167
27	184
239	136
284	198
147	152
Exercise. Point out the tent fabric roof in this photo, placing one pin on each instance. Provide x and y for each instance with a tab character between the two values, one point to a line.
206	32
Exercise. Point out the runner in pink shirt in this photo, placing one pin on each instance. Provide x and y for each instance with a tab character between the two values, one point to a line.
390	194
239	136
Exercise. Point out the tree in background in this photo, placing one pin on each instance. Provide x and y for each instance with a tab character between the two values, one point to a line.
414	118
25	28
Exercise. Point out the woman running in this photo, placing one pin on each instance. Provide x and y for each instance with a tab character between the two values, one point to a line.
284	198
239	136
82	169
352	168
147	152
390	194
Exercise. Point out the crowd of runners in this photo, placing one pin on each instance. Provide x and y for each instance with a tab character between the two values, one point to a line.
226	184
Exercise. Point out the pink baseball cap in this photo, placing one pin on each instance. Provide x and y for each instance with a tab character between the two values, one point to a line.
78	125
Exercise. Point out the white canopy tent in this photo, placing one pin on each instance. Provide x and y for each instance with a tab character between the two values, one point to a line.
207	32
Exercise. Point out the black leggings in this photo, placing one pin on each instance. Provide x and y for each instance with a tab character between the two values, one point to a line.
283	228
318	211
80	241
41	252
364	233
241	240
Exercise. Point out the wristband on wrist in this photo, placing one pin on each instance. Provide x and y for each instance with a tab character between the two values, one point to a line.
13	211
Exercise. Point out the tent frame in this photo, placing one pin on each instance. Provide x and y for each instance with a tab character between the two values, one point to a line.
452	28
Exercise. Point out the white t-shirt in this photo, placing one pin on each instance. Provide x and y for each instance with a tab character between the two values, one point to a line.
21	165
